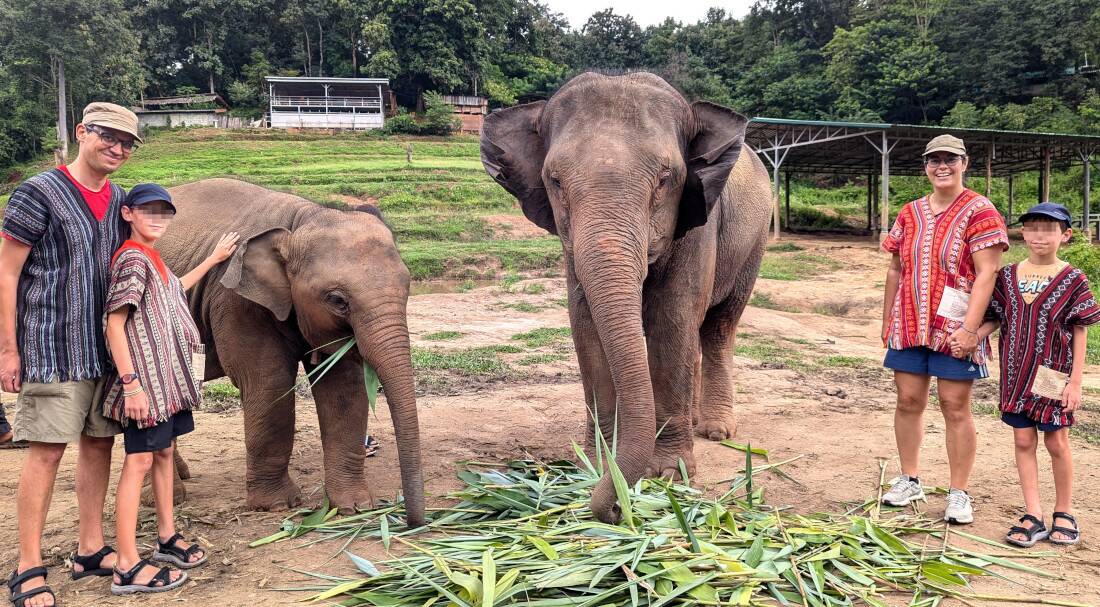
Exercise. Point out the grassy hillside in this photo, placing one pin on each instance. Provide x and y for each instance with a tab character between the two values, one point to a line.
437	203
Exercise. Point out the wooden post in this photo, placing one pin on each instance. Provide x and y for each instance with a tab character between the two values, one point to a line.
787	197
874	200
870	200
775	202
1011	197
1044	176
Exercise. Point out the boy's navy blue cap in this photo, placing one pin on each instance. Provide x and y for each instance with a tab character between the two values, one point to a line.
1052	210
144	193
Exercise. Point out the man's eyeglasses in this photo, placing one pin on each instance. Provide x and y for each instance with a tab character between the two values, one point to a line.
110	138
934	161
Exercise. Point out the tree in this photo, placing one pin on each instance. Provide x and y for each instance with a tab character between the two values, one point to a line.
612	41
439	44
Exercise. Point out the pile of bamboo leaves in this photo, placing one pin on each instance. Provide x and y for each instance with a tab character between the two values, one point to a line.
523	535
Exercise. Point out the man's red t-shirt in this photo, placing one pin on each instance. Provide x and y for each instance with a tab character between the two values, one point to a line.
98	202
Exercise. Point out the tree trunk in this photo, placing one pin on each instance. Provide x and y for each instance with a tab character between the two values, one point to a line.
62	117
320	49
354	57
309	52
210	50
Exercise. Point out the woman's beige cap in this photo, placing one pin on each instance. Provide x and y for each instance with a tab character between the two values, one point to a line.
112	116
945	143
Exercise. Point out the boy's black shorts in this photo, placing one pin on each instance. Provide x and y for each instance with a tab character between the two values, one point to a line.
160	436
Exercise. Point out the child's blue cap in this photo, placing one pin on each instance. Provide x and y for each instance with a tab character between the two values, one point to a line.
1051	210
145	193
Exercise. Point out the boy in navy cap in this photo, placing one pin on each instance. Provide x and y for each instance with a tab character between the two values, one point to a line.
151	337
1043	306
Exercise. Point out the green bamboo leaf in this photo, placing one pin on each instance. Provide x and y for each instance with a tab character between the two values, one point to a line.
544	547
745	448
384	529
682	520
683	471
370	384
755	553
488	579
622	489
275	537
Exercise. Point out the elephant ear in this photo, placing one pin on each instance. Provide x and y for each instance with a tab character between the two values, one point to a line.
513	152
257	271
712	152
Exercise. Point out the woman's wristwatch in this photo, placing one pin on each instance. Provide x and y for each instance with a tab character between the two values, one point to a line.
128	379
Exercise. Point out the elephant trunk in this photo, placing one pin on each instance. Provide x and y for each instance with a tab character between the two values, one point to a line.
611	266
384	344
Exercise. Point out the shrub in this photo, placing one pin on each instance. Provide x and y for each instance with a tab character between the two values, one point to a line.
403	123
439	118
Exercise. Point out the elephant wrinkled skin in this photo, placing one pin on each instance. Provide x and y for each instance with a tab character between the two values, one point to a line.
663	216
304	278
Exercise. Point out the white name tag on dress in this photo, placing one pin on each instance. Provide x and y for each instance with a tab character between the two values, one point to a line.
953	304
1049	383
198	362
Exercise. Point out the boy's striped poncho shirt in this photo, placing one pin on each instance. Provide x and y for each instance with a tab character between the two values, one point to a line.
160	333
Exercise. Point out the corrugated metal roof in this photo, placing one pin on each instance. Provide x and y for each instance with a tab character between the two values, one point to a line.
325	80
855	125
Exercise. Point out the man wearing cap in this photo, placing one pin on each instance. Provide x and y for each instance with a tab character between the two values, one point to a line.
59	231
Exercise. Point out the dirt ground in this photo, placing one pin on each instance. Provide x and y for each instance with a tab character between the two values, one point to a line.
838	418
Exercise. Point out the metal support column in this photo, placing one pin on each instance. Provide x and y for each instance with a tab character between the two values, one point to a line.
1086	227
989	170
884	226
787	198
1011	196
870	201
775	202
1044	177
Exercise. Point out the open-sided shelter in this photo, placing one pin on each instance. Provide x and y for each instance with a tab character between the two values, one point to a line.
303	102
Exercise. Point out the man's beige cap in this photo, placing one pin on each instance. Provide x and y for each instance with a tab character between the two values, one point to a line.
112	116
945	143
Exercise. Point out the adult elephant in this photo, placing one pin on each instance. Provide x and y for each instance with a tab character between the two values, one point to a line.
663	216
303	279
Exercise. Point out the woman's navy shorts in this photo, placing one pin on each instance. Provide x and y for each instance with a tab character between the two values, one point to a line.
925	361
158	437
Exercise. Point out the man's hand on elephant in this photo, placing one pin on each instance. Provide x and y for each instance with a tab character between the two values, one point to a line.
10	367
225	247
137	406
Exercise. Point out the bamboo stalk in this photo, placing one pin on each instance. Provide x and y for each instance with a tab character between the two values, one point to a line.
1026	600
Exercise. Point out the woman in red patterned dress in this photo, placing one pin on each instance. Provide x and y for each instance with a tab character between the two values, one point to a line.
945	252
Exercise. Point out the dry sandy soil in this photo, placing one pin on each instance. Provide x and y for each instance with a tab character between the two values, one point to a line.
838	417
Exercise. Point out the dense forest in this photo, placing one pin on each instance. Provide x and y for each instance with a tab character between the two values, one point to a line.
1013	64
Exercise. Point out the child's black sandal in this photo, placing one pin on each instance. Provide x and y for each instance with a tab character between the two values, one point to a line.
1074	533
170	552
91	564
161	582
1035	533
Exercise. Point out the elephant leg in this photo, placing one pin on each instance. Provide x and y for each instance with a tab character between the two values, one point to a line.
715	420
182	469
264	366
673	358
342	414
599	389
179	488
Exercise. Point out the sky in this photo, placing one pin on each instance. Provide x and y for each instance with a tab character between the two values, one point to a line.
647	12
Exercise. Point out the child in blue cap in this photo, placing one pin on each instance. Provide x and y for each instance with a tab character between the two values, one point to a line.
1043	307
151	338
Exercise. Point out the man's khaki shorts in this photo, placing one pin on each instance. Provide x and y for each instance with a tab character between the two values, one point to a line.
59	412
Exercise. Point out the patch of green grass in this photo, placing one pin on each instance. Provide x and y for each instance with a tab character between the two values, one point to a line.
218	390
428	259
442	335
796	267
509	280
480	361
852	362
563	302
543	336
534	288
784	247
833	308
540	359
523	306
770	352
763	300
1092	346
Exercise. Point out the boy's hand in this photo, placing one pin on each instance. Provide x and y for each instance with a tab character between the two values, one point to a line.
225	247
1071	397
966	341
137	406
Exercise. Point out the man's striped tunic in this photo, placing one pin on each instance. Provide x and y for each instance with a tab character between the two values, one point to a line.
64	280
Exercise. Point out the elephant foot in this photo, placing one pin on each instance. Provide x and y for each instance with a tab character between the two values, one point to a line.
182	469
179	493
350	501
666	463
716	429
277	496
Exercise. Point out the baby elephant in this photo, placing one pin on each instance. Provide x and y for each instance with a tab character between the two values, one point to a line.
304	279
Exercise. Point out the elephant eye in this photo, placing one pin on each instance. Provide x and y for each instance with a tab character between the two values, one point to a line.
664	177
555	181
337	302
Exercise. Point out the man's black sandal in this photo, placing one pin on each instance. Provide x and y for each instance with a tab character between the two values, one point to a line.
1074	533
1035	533
170	552
161	582
91	564
19	599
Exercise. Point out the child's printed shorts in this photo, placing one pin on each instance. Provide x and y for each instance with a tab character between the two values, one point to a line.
158	437
926	361
1019	420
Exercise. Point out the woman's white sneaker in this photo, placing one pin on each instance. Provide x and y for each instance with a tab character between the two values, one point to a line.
959	510
903	491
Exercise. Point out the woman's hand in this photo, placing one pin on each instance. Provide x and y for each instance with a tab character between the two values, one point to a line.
225	247
1071	397
966	342
137	406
